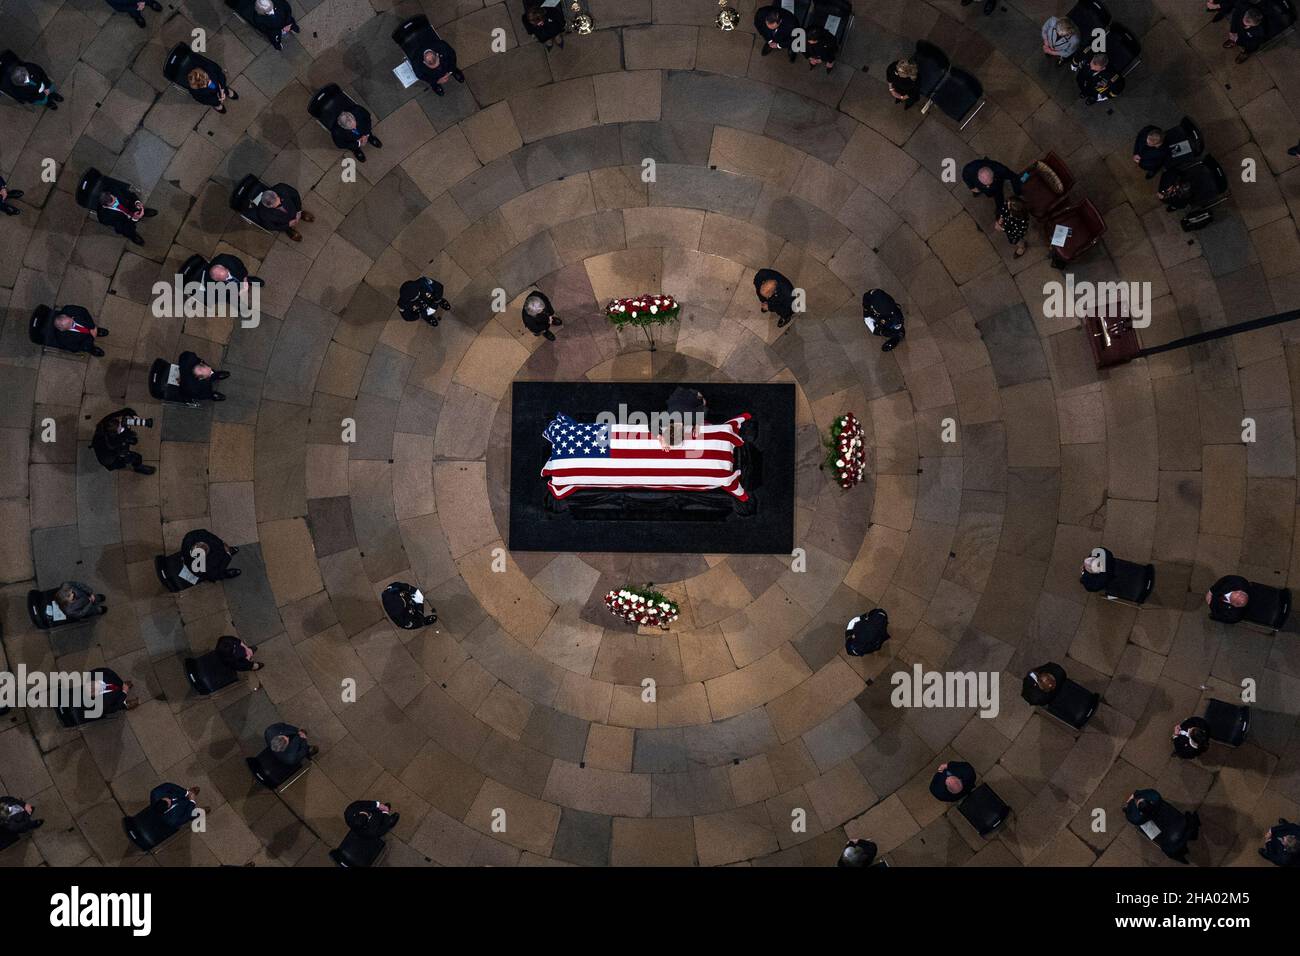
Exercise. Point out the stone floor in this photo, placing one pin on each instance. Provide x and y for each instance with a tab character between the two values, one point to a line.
527	698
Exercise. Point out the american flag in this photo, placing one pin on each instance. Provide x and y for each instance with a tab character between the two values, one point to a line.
627	456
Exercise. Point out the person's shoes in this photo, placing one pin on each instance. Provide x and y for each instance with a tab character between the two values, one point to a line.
154	5
1228	44
393	821
1243	56
556	320
909	104
766	49
548	335
990	6
145	469
458	76
889	346
219	376
37	824
137	240
233	550
233	572
312	751
97	352
308	217
783	321
296	28
9	210
101	331
57	97
374	141
51	105
18	193
150	213
437	88
361	157
444	305
294	234
1293	151
139	21
218	397
277	42
257	666
132	704
219	109
231	94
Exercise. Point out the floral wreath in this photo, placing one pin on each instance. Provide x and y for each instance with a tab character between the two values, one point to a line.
642	606
645	309
846	456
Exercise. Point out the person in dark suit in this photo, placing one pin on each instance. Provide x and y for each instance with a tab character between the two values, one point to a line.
1141	806
274	20
175	803
903	77
1042	684
279	209
16	815
989	6
1175	189
113	440
289	744
1191	738
79	601
422	299
988	177
7	196
1228	598
437	64
1282	843
207	556
353	129
883	317
857	853
29	83
539	316
545	25
1097	81
1247	31
226	268
1150	151
1098	571
775	26
197	377
821	47
686	409
370	818
952	781
866	633
775	294
207	84
109	686
405	606
237	655
72	329
122	212
135	8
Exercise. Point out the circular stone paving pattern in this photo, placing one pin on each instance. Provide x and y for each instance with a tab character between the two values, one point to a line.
527	695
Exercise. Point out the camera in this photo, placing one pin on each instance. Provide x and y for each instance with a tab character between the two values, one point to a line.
133	421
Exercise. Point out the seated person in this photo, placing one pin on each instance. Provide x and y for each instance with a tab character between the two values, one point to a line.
1228	598
405	606
1097	81
121	210
437	64
883	317
1141	806
72	329
114	438
207	84
197	377
1150	151
1042	684
6	194
370	818
28	83
1282	843
903	77
207	556
1191	738
174	802
821	47
775	26
1175	189
237	655
775	294
866	634
16	815
279	209
857	853
952	781
1098	571
422	299
274	20
1060	39
289	744
353	129
231	269
77	601
539	316
545	24
1247	31
109	686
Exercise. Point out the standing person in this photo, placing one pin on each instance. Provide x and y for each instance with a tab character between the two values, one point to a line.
207	84
274	20
821	47
866	633
422	299
29	83
135	8
1060	39
775	294
775	27
1042	684
988	177
370	818
73	330
437	65
1150	151
353	129
122	212
207	556
197	377
903	77
1013	220
952	781
237	655
174	802
113	440
883	317
545	25
1191	738
78	601
539	316
6	195
279	209
16	815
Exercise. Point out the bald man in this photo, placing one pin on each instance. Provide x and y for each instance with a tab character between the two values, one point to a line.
988	177
953	781
73	330
1228	598
775	294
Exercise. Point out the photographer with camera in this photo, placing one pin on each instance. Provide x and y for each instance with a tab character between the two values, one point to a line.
114	437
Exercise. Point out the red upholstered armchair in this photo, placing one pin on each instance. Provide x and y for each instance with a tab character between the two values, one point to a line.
1086	229
1049	182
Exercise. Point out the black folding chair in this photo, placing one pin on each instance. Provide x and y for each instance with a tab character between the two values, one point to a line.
1228	722
1131	583
208	674
273	773
984	810
164	384
960	96
149	829
357	851
45	615
1073	704
1186	143
1268	607
833	16
1123	48
932	67
245	197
